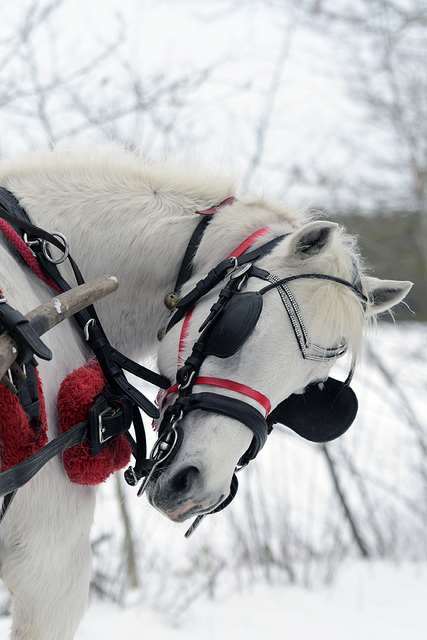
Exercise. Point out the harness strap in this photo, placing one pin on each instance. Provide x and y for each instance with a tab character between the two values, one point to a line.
217	274
106	421
248	243
186	268
108	418
87	318
26	254
227	384
20	329
22	472
226	406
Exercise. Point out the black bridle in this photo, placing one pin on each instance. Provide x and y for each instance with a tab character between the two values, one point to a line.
236	313
231	321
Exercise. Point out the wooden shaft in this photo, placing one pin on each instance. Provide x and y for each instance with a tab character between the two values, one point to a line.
51	313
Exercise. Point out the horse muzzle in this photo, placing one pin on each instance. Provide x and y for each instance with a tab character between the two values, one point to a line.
180	493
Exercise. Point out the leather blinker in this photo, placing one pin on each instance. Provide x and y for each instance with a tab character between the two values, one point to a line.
322	413
235	325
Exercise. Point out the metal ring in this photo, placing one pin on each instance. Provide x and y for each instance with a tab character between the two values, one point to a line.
239	271
66	249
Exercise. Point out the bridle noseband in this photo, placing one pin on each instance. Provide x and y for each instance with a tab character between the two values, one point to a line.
231	321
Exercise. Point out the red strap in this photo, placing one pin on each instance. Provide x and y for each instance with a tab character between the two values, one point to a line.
224	203
248	242
218	382
26	253
184	335
226	384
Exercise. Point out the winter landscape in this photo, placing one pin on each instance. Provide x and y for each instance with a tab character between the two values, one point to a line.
321	542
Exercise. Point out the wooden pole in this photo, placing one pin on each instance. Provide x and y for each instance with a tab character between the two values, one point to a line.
51	313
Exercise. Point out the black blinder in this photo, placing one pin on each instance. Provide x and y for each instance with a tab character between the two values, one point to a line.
318	414
234	325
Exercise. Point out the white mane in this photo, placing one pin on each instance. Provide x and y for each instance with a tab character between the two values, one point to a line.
162	185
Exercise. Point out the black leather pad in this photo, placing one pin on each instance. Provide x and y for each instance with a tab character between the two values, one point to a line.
318	414
235	324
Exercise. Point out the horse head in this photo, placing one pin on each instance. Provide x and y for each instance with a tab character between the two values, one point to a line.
254	349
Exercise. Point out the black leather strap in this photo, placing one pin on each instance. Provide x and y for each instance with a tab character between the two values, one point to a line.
24	335
186	268
97	340
215	276
226	406
21	473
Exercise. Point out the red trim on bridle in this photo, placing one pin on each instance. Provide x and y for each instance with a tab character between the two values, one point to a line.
219	382
248	242
26	253
224	203
226	384
184	335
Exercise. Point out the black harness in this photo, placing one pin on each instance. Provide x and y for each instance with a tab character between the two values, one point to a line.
116	407
322	413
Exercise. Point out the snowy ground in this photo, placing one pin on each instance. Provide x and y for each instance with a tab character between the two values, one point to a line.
373	601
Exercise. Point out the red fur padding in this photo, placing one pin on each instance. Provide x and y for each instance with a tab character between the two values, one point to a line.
18	440
76	395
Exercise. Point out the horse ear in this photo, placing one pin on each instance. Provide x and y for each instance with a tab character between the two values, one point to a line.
384	294
311	239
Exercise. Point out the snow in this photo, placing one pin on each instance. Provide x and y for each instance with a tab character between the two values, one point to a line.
369	600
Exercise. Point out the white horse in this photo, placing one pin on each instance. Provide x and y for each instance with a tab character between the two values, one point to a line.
125	216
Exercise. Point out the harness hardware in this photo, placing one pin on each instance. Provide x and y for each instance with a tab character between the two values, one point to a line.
320	414
106	419
117	409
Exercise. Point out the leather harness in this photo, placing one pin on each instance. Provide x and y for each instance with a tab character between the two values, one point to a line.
119	404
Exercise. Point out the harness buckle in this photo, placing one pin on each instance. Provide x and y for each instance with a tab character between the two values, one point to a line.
239	271
102	429
109	417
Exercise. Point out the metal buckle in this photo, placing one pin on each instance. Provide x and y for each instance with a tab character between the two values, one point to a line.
101	428
161	451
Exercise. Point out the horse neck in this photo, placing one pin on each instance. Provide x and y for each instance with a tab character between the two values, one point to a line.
145	255
114	227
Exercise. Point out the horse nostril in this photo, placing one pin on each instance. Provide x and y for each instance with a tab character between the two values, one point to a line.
183	481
